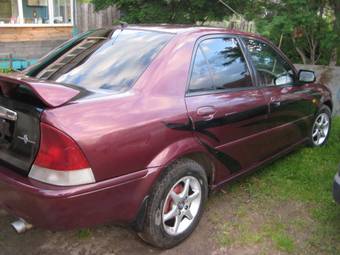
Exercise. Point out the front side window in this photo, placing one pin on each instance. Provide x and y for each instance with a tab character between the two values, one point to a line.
272	69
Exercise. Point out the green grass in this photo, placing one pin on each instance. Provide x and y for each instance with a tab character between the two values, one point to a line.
287	207
84	233
284	242
5	71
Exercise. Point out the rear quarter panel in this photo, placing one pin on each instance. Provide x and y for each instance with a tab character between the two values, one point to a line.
124	133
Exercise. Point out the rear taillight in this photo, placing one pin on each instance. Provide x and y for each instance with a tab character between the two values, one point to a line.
60	160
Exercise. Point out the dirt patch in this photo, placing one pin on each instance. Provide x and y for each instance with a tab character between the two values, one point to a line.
247	219
234	222
103	240
264	227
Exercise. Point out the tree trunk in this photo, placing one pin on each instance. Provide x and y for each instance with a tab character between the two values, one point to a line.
302	55
315	56
334	57
300	52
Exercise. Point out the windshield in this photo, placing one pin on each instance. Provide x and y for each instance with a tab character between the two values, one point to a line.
111	62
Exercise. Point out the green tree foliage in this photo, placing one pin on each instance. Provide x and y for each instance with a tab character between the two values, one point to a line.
168	11
305	26
307	30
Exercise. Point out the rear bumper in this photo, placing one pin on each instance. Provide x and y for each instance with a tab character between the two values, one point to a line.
60	208
336	188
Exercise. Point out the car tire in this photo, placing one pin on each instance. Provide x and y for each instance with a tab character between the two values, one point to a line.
321	128
166	233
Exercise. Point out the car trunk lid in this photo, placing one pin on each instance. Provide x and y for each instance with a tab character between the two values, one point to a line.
49	93
22	101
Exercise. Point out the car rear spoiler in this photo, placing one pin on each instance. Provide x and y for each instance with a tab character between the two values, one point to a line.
51	94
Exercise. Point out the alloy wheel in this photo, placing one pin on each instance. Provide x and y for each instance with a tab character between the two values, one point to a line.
320	129
181	205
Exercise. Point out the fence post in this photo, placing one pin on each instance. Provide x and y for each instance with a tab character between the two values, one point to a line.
10	61
90	19
85	18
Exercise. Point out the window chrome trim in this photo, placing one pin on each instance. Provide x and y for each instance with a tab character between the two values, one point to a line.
218	91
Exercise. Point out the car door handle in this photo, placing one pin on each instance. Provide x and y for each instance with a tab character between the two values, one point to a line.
206	112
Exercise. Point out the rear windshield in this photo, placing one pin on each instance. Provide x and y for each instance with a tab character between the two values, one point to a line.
110	60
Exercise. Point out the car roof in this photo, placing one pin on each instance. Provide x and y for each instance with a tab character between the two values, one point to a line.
186	29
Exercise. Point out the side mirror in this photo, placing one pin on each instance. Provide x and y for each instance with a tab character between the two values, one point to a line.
307	76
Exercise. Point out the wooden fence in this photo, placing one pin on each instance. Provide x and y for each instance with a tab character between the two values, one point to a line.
88	18
236	24
242	26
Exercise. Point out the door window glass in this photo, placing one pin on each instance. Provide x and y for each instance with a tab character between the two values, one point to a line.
228	66
200	77
272	69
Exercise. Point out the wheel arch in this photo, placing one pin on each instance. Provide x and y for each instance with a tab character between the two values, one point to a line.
188	148
195	152
329	104
205	161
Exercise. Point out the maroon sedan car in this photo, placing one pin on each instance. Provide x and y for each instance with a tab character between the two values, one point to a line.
136	124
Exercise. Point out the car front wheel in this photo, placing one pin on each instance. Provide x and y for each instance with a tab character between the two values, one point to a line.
176	204
321	127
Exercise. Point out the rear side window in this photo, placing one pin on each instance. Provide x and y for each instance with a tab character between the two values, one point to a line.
224	66
200	77
113	63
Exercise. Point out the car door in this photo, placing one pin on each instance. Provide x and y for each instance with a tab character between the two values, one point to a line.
291	105
227	110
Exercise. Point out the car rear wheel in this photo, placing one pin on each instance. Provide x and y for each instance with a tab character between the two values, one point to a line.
321	127
176	204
